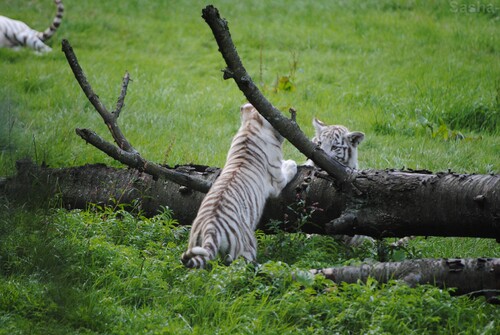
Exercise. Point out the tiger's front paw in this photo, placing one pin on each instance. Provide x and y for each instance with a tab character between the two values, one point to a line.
289	169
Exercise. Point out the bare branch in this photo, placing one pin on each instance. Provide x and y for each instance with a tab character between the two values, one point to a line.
124	152
285	127
134	160
82	80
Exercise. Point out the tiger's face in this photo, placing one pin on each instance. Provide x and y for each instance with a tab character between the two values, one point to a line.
338	142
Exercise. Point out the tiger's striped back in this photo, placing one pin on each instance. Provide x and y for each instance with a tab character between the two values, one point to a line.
337	142
14	33
231	210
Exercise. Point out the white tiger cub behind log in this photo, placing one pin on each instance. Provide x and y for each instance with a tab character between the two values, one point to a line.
340	143
231	210
337	142
14	33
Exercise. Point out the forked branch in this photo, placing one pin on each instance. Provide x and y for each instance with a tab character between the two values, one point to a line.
124	152
287	128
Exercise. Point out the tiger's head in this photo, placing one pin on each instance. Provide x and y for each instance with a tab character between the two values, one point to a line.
250	114
338	142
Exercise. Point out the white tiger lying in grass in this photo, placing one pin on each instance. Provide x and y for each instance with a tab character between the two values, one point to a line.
14	33
231	210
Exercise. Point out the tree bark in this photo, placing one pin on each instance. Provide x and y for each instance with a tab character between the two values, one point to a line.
469	276
388	204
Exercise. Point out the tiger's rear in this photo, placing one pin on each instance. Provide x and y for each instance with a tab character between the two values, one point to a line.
14	33
231	210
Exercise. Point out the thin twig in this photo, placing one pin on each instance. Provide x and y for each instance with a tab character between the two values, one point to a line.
123	93
293	114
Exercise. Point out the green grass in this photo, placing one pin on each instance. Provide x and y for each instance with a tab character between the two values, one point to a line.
104	270
378	67
413	76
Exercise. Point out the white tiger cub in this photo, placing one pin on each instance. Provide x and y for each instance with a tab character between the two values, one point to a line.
231	210
14	33
340	143
337	142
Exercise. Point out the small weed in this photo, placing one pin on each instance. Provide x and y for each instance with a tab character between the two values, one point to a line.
389	252
440	131
286	83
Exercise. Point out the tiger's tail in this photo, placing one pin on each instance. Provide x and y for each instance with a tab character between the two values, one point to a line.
45	35
198	257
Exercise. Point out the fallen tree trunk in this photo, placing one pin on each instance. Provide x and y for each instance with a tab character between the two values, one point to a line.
341	202
99	184
388	204
479	276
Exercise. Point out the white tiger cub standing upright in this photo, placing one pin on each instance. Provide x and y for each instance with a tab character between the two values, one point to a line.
337	142
231	210
14	33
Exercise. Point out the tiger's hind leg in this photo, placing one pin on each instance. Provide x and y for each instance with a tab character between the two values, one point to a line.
250	250
28	39
245	246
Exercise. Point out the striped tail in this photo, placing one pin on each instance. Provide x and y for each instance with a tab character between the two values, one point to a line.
196	257
55	23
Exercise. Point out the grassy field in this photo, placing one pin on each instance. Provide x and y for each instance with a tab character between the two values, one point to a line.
420	78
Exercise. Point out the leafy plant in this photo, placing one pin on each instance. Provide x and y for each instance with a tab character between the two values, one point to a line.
285	83
441	131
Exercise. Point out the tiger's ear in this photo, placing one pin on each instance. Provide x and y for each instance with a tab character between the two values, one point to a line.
355	138
318	126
